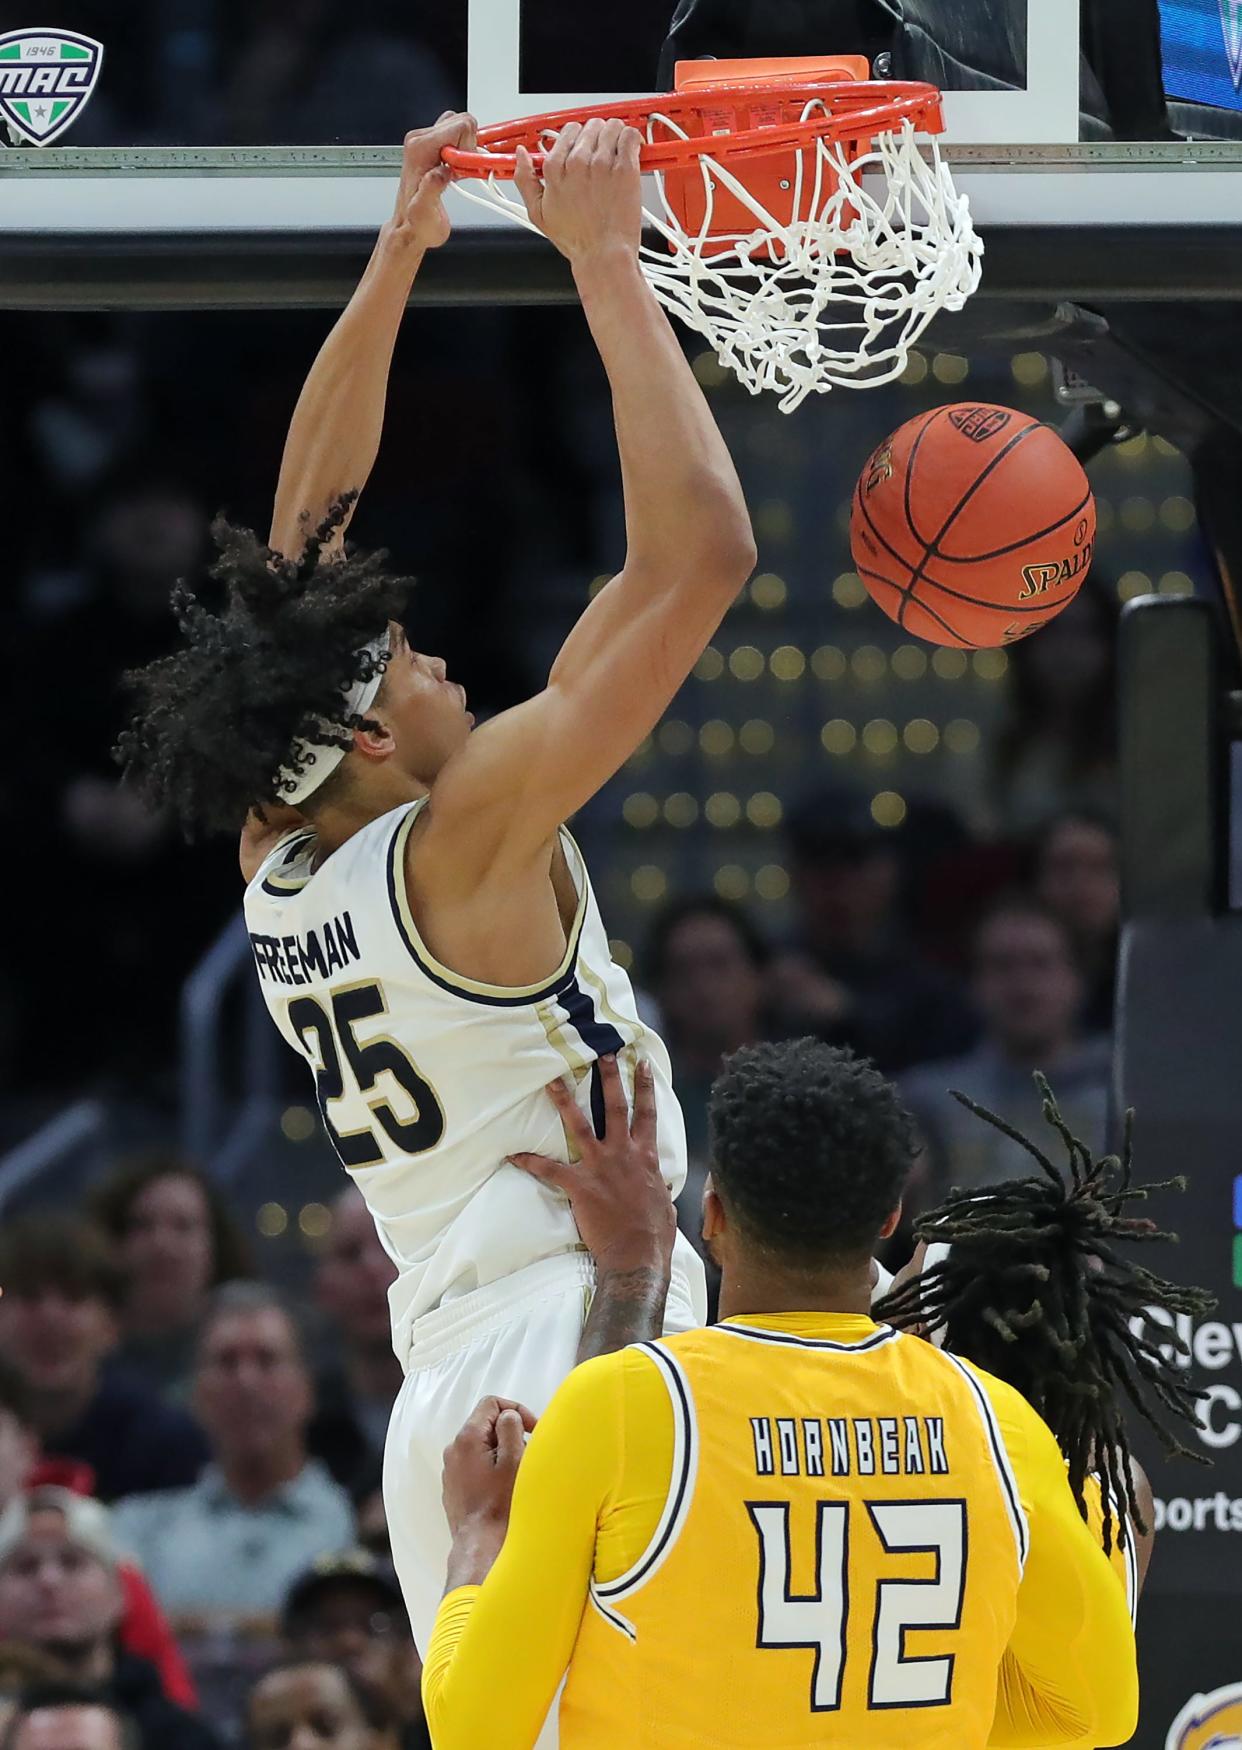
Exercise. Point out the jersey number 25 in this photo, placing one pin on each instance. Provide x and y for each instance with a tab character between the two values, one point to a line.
333	1038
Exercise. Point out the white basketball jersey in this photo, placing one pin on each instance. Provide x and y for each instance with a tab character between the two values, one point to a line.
426	1081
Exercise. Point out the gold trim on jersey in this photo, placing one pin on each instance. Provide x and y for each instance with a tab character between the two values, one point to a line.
457	981
634	1031
278	885
579	1067
556	1026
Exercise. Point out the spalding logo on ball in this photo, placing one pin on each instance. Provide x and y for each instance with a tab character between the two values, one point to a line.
973	526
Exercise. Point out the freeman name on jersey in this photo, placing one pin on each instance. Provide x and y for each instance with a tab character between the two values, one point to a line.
297	959
842	1446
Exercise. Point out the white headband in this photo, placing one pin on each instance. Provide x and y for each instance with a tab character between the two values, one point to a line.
320	759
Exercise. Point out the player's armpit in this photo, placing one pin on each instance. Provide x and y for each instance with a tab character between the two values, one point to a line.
1069	1672
498	1652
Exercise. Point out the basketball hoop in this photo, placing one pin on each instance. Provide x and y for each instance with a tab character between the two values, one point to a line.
807	236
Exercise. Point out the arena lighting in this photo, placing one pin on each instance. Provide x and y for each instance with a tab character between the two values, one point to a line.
839	737
829	664
723	809
756	736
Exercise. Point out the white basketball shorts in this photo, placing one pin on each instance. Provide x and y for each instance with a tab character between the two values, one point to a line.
516	1338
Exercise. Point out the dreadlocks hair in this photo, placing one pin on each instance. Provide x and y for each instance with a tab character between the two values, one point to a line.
1036	1291
218	718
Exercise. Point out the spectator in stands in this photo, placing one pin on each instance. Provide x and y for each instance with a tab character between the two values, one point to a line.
63	1292
176	1240
21	1668
143	1630
224	1552
851	975
1058	748
704	965
348	1610
311	1701
65	1716
354	1395
372	1515
1078	876
113	873
60	1591
1030	993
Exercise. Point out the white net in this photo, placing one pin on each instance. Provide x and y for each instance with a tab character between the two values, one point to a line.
872	252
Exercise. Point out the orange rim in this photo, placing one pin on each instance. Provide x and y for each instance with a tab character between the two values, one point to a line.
855	111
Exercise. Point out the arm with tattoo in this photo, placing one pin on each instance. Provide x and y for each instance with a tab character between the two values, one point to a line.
627	1307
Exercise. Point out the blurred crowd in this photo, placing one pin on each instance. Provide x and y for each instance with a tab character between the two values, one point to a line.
1032	987
192	1535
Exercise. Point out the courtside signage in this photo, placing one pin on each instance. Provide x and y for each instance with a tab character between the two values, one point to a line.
46	79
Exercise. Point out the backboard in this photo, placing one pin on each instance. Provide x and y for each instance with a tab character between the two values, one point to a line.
274	120
1041	131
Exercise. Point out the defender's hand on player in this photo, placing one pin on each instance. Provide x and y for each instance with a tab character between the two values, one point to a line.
419	217
617	1194
590	197
480	1467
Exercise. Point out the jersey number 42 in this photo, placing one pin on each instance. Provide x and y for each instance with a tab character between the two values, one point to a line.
819	1622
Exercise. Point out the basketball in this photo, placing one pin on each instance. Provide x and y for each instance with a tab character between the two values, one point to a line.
973	526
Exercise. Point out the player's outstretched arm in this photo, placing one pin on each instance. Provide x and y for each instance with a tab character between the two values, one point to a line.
689	547
334	436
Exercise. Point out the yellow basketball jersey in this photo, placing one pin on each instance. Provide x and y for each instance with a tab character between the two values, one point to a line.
845	1533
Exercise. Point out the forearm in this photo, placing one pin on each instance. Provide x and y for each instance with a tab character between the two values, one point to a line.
627	1307
472	1555
335	431
683	500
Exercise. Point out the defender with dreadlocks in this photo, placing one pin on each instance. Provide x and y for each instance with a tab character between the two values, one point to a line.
424	928
1030	1281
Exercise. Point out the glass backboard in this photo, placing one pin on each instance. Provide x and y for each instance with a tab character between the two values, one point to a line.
1059	111
282	116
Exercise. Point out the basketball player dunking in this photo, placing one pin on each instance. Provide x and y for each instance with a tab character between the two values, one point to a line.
423	926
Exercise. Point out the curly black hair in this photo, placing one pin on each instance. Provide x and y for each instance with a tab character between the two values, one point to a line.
1036	1291
218	718
810	1149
